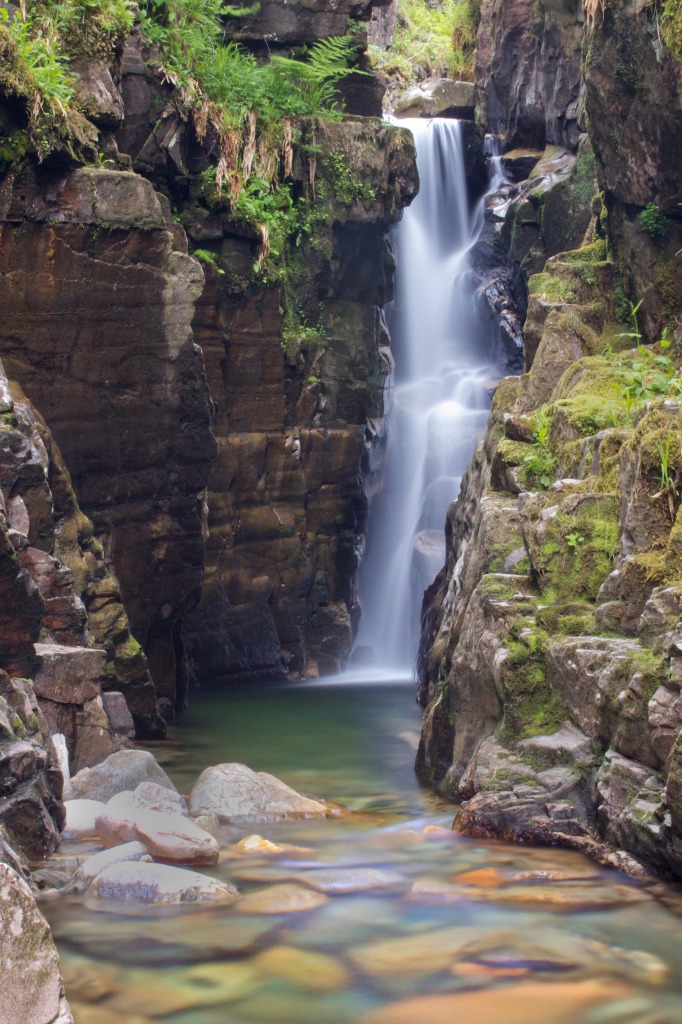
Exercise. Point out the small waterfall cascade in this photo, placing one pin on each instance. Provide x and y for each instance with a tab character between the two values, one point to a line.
440	398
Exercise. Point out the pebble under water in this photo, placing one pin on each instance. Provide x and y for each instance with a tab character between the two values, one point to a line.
442	929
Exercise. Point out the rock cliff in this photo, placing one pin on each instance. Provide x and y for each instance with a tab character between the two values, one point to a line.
549	651
160	377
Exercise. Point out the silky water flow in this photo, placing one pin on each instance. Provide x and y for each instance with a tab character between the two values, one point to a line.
440	398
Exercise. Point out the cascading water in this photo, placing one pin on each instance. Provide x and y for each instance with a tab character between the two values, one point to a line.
440	401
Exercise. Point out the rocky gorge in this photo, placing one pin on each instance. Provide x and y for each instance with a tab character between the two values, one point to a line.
195	381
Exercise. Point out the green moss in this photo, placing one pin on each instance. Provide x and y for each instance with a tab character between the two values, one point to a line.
531	706
595	252
551	288
569	570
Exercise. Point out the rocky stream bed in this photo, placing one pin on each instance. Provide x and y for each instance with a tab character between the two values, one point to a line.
371	910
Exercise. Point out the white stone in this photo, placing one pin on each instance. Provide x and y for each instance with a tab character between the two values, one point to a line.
80	818
124	770
94	865
236	793
61	750
169	837
142	882
158	798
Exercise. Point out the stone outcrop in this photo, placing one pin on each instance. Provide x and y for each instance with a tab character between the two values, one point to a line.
299	426
528	71
437	97
638	146
91	251
549	659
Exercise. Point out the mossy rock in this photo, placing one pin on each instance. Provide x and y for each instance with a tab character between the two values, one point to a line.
572	548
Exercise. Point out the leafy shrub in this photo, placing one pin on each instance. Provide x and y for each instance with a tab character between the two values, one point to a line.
653	221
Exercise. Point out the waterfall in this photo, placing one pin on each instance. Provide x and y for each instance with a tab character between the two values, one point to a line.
440	401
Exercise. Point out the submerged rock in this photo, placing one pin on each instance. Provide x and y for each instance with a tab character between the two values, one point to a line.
236	793
140	882
124	770
32	990
336	881
281	899
529	1002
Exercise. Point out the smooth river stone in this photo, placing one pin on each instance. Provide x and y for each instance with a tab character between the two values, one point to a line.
154	797
80	818
85	1013
426	953
236	793
528	1002
161	995
336	881
142	882
168	837
94	865
568	896
315	971
124	770
281	899
256	843
89	982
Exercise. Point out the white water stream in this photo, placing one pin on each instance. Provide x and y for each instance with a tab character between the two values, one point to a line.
440	398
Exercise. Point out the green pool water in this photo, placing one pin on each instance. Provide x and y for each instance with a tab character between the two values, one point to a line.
467	931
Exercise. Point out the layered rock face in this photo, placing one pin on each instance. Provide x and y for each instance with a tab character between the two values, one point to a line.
300	430
96	325
103	313
630	74
528	71
549	656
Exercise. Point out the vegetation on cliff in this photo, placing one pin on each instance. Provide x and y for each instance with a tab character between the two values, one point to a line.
431	40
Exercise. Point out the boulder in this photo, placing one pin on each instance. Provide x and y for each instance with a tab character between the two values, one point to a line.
236	793
147	796
170	837
141	882
124	770
32	990
94	865
80	818
437	97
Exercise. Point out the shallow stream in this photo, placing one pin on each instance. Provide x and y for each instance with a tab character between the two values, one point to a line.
463	932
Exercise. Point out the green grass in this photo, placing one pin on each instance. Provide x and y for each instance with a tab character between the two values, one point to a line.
431	41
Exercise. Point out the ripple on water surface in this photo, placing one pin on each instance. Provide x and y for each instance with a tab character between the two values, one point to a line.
381	916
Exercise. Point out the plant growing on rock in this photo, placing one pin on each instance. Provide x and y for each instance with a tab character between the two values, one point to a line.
654	222
670	477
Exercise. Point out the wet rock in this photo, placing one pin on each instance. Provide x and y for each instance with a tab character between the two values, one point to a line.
315	971
32	991
257	844
437	97
425	953
168	837
98	97
281	899
528	1002
336	881
236	793
526	97
141	882
123	770
94	865
80	818
202	986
